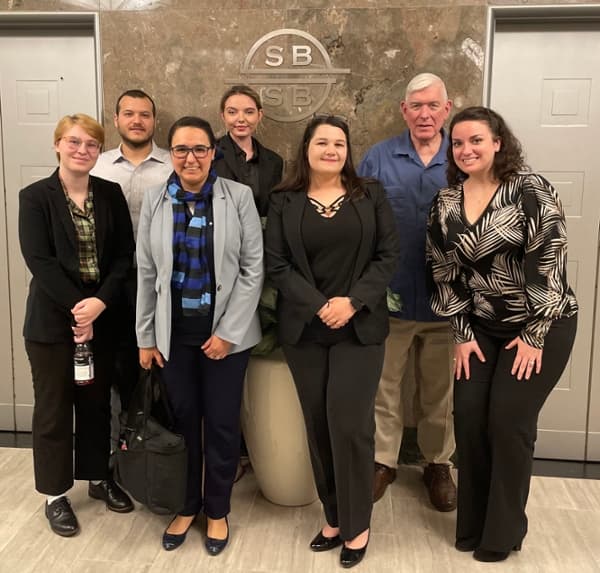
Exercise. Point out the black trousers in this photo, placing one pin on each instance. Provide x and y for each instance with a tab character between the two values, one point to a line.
336	378
205	396
55	395
495	422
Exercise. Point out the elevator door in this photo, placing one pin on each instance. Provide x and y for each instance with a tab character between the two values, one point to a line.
45	73
545	80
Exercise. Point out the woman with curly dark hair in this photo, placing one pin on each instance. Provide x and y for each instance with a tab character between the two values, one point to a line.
497	252
331	249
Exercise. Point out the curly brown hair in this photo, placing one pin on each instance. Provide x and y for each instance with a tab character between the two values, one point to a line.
508	160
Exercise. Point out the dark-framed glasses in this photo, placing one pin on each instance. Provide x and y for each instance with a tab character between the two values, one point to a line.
74	143
198	151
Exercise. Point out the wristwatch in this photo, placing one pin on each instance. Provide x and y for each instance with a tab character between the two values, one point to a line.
356	304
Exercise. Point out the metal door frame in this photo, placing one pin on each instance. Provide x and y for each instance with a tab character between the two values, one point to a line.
88	21
558	14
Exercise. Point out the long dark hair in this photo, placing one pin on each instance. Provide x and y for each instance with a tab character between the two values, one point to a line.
509	158
298	177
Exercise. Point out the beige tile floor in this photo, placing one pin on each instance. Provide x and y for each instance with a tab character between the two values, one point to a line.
407	534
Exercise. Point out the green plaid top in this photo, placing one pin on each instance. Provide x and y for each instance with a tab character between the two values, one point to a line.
85	229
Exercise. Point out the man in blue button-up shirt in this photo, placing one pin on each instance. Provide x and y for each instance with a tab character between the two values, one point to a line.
412	167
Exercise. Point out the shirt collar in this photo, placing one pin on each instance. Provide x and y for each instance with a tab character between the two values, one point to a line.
405	146
156	154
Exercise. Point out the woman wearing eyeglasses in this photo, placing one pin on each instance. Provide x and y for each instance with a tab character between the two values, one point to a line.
200	273
331	249
76	237
241	156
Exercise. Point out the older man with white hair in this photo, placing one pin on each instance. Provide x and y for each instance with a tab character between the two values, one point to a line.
412	167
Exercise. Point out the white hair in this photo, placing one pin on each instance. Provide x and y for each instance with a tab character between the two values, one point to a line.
424	80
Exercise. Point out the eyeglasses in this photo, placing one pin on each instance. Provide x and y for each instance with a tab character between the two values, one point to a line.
198	151
74	143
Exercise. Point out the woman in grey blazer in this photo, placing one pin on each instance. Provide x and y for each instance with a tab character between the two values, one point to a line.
200	274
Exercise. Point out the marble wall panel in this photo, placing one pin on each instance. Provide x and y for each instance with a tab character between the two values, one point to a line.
185	59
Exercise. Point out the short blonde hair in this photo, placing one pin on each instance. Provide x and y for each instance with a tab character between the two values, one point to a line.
86	122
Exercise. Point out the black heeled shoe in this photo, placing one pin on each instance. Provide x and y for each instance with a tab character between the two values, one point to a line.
322	543
172	541
215	546
493	556
351	557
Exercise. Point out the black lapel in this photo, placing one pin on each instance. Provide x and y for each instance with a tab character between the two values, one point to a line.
364	210
292	213
228	149
59	200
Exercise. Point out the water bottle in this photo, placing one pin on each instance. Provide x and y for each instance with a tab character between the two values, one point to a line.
83	363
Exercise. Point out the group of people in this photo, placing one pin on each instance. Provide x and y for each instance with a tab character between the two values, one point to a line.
441	250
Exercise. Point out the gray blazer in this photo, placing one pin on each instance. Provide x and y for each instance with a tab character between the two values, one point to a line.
238	263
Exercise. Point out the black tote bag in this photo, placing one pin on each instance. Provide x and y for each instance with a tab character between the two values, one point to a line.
151	461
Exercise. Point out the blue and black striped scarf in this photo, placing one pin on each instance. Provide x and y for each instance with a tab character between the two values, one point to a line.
191	270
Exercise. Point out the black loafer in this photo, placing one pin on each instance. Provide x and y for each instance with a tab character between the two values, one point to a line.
215	546
488	556
172	541
61	517
114	497
322	543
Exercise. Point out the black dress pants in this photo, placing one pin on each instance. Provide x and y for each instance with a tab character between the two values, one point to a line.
55	395
495	421
205	396
336	378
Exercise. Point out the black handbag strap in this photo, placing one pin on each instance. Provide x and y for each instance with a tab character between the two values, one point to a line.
149	391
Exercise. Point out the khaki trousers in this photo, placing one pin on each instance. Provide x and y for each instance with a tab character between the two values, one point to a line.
433	347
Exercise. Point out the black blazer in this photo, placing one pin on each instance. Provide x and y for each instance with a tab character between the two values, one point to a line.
287	265
270	170
49	245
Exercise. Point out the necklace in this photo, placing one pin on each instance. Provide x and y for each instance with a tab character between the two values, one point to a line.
330	210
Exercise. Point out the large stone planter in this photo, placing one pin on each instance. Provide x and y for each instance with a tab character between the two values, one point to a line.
274	432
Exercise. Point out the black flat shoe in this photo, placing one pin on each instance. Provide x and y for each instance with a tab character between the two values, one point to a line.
215	546
492	556
172	541
351	557
110	493
322	543
61	517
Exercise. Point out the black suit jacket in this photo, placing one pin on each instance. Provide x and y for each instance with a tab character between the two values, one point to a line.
270	170
288	268
49	245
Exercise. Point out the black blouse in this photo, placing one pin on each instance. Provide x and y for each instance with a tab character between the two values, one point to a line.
509	266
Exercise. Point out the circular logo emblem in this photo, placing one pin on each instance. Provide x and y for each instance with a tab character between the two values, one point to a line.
293	73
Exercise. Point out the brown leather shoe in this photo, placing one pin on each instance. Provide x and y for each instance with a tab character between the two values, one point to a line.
383	477
440	486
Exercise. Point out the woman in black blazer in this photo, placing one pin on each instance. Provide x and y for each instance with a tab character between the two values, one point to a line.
331	250
240	156
76	237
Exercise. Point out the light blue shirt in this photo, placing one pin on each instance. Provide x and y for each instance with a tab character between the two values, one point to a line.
410	188
134	179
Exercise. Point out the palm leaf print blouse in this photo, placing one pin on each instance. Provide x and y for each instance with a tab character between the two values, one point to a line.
508	266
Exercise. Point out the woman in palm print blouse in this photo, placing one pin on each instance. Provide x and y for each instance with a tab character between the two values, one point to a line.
497	252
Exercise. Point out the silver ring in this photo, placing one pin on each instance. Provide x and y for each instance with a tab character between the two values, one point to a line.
531	362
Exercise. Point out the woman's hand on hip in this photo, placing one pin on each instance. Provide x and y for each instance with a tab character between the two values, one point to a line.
462	353
527	359
337	312
87	310
216	348
149	355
